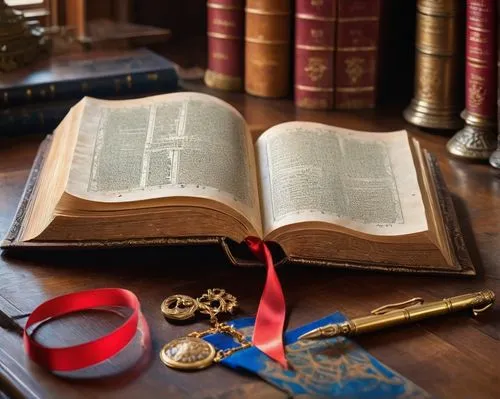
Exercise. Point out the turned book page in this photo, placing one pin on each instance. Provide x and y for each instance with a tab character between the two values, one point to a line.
310	172
174	145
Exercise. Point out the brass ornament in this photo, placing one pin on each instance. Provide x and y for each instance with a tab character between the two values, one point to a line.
192	352
188	353
438	90
183	307
495	157
21	43
476	141
179	307
215	301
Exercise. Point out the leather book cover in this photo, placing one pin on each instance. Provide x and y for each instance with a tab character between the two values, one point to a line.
225	34
267	47
238	253
356	64
480	59
314	53
94	74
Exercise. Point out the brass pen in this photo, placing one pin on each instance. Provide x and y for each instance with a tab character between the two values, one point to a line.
404	312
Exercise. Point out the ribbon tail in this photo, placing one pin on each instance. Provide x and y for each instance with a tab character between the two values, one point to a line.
270	319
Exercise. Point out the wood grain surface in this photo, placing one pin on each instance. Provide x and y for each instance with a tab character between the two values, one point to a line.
454	356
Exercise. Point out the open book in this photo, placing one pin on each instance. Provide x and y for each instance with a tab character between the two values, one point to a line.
183	166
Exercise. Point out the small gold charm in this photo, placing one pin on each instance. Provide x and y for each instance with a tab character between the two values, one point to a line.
188	353
179	307
214	301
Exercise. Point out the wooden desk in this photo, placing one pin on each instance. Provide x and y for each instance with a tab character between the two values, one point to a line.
456	356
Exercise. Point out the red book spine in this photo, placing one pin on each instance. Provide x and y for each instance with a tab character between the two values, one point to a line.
480	53
314	51
225	31
356	58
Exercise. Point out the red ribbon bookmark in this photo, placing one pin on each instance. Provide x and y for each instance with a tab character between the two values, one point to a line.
89	353
270	320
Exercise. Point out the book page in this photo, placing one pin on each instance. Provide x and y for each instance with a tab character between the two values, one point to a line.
181	144
363	181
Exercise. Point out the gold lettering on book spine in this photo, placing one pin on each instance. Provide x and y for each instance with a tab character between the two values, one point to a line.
354	68
477	94
313	103
315	68
221	81
316	34
224	22
220	56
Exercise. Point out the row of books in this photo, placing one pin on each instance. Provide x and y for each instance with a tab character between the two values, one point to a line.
326	49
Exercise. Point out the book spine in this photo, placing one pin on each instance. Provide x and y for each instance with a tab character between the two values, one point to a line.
155	81
314	53
480	59
356	53
21	120
267	47
225	31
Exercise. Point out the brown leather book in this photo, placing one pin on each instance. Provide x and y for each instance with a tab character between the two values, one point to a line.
314	53
267	47
357	54
182	168
225	20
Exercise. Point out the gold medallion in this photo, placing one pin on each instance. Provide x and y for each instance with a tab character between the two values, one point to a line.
188	353
179	307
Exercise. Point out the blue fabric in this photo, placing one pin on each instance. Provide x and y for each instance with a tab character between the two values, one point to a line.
333	367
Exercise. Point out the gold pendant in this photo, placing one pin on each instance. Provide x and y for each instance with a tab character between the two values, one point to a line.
188	353
179	307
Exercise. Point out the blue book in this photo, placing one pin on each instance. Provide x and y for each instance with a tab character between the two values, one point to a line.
94	74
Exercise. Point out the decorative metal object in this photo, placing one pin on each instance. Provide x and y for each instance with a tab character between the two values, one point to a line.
21	43
495	157
192	352
439	93
477	140
188	353
183	307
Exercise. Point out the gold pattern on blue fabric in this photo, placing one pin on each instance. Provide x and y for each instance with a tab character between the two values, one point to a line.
338	363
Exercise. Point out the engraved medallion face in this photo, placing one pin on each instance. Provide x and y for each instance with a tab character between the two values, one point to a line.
179	307
188	353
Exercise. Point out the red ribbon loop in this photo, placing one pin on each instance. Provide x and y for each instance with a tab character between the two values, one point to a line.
270	319
89	353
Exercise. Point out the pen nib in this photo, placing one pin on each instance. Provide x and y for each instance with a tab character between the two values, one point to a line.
316	333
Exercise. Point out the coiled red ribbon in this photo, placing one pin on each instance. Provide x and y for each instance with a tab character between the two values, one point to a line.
268	330
89	353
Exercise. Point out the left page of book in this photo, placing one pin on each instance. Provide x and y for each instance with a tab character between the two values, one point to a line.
180	145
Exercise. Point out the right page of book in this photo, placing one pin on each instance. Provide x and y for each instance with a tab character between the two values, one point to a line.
360	180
